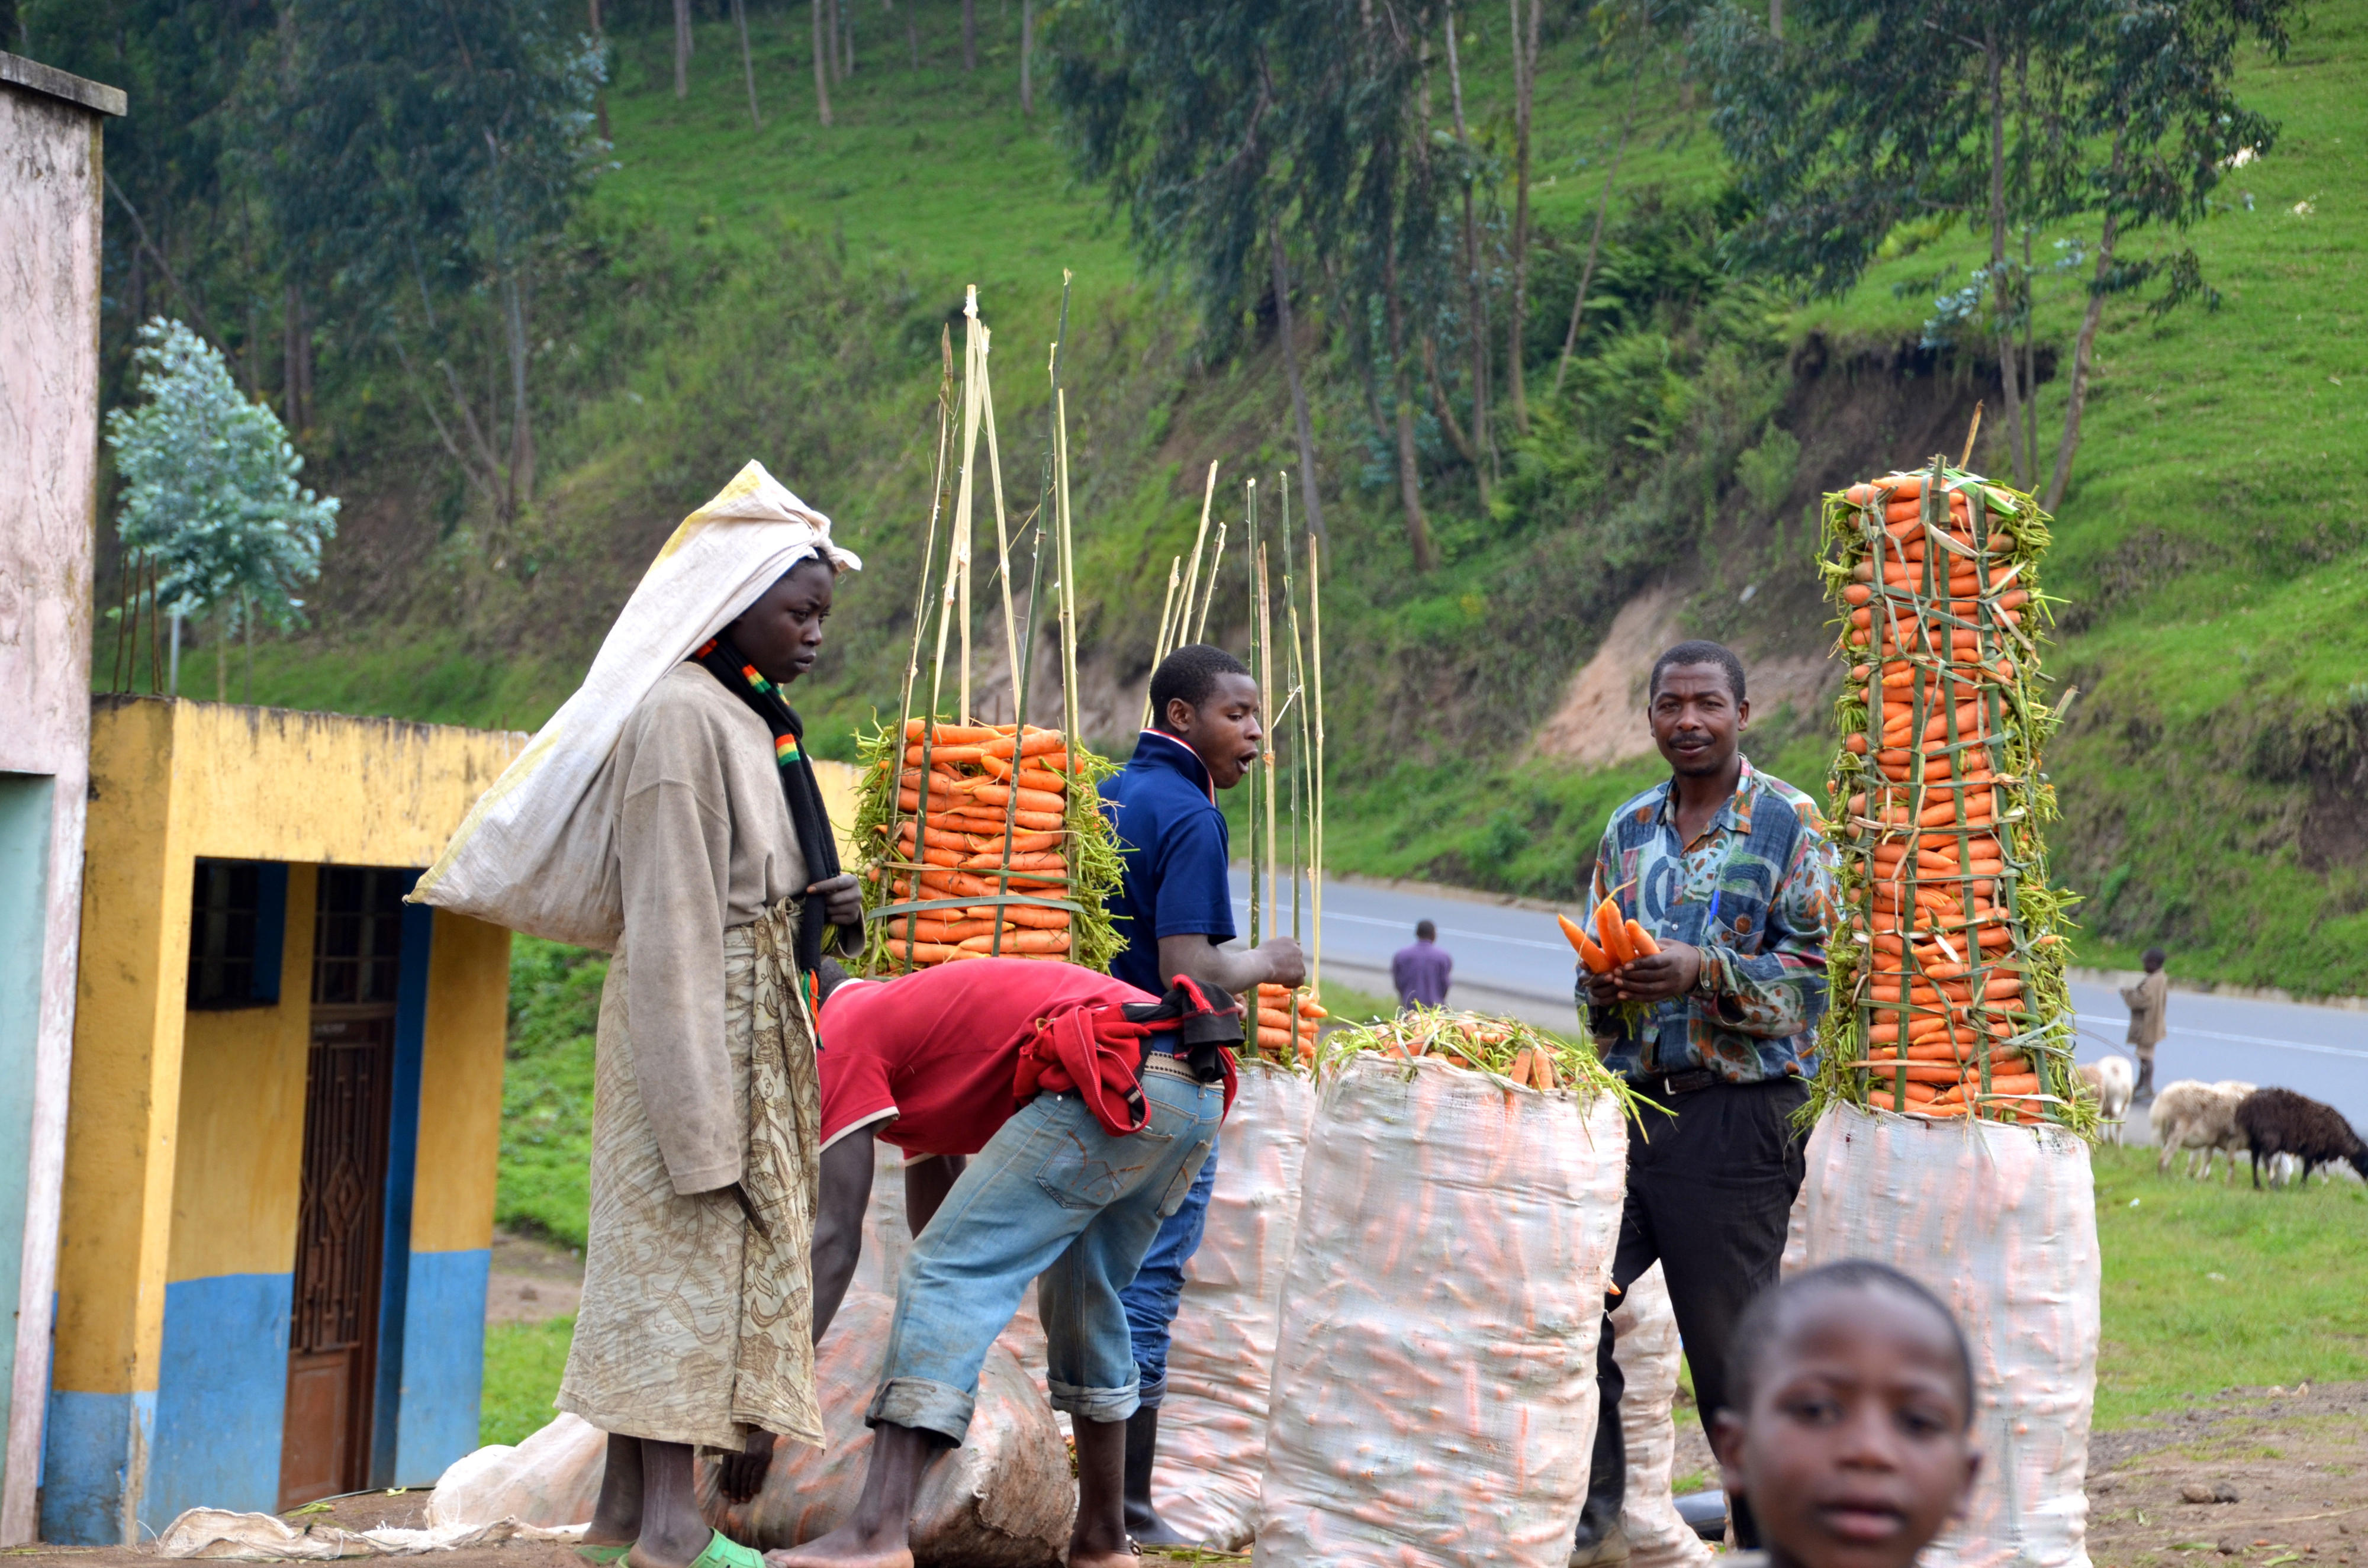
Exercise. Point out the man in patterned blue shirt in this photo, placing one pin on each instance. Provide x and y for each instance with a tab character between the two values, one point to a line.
1732	873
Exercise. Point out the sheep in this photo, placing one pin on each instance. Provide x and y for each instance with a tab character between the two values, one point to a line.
2200	1118
2279	1121
2111	1080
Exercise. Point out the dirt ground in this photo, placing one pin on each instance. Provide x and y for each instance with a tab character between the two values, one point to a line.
2264	1477
532	1281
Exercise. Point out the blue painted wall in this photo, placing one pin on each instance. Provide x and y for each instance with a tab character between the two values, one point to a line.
222	1396
89	1439
443	1363
24	915
402	1172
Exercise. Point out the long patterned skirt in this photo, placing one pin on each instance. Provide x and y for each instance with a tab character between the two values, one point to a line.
696	1325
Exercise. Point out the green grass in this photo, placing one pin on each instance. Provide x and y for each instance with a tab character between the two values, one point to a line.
2207	1287
523	1365
542	1186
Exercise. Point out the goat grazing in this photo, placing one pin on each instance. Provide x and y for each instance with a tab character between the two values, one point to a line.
2200	1118
2279	1121
2111	1080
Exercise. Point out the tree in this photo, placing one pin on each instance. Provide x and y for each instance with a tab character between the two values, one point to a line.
1525	90
423	161
209	493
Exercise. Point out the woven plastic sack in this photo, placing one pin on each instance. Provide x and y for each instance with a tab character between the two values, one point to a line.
1434	1385
1004	1499
1213	1426
1645	1342
552	1479
536	853
2000	1221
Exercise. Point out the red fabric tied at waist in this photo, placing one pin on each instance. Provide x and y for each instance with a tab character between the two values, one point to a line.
1095	1051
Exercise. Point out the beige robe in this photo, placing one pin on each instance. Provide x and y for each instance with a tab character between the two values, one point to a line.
696	1326
2147	1002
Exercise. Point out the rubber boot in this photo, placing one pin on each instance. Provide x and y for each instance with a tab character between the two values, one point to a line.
1143	1521
2145	1091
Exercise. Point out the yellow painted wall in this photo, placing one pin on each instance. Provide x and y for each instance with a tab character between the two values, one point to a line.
238	1173
836	780
460	1085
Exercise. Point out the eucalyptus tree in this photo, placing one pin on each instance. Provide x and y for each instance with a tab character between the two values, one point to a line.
424	161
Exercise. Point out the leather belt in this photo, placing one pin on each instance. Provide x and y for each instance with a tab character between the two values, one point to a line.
1664	1086
1160	1062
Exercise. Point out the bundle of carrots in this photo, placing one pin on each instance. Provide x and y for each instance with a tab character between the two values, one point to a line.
1948	978
974	837
1623	941
1288	1045
1521	1054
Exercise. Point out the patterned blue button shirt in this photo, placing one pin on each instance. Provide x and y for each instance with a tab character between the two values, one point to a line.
1765	868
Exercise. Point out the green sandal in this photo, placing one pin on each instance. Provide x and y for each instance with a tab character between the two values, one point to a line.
603	1555
722	1551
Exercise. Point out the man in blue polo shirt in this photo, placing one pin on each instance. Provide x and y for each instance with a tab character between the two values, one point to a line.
1174	908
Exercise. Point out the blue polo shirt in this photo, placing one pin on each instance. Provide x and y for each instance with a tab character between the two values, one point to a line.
1177	852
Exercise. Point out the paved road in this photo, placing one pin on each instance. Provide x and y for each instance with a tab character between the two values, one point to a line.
1512	959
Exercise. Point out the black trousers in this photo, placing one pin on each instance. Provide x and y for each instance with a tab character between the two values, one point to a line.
1710	1191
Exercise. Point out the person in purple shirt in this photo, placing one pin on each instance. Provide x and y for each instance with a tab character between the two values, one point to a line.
1421	972
1174	908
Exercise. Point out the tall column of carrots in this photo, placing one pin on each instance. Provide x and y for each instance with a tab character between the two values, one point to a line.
1947	974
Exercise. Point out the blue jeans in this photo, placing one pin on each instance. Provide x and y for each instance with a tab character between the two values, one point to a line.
1158	1288
1053	1198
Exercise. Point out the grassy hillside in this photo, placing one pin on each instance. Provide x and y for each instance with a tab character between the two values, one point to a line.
778	292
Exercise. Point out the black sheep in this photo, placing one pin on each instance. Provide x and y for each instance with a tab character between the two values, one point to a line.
2279	1121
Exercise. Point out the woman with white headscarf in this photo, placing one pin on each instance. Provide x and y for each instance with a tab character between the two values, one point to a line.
689	833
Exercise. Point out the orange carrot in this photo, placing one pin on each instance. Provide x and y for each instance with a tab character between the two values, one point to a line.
1612	933
1641	940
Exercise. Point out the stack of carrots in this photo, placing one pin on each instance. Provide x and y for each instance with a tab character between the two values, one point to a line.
1939	975
1623	941
1506	1048
970	821
1287	1044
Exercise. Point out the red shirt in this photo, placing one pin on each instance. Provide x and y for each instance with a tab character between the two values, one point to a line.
935	1051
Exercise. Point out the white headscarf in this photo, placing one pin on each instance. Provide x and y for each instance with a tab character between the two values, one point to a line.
530	855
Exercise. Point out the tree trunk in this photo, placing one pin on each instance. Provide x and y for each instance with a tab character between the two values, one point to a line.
2001	322
1027	56
1776	19
822	65
847	31
2030	367
1291	371
1525	77
682	49
1409	472
296	368
1445	410
1476	295
521	426
247	624
2082	348
600	93
748	62
1595	242
970	36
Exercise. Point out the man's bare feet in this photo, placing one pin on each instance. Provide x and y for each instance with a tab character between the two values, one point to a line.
840	1549
1131	1558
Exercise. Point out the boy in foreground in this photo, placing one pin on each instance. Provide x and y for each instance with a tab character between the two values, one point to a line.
1851	1432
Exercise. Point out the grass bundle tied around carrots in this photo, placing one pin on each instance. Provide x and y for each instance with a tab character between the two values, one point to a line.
1521	1054
1948	974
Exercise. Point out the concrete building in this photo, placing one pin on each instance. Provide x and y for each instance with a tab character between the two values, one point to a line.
285	1118
52	191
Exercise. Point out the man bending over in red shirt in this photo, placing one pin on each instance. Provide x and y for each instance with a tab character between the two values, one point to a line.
1068	1113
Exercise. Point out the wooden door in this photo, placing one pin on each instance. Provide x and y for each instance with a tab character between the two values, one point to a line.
333	1339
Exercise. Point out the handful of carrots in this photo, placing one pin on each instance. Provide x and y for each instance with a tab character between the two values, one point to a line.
1613	941
1942	960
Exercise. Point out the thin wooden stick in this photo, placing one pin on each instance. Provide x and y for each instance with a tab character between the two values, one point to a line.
1250	1005
1971	432
1002	527
1069	577
1316	648
964	496
1192	576
1167	617
1216	560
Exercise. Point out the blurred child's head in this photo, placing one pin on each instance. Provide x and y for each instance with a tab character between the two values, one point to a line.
1851	1429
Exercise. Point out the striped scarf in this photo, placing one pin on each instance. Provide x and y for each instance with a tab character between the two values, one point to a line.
807	815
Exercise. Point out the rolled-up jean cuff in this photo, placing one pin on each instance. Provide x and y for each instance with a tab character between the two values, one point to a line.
1094	1404
923	1405
1153	1393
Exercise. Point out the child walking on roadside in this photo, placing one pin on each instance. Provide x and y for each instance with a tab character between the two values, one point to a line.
1851	1431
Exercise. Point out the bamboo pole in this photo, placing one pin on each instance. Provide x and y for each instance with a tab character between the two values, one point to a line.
964	496
1068	578
1216	561
1315	697
1266	686
1250	1004
1002	527
1300	752
1192	576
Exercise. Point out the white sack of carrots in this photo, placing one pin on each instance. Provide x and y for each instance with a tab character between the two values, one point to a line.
1645	1342
552	1479
2000	1221
1434	1386
1004	1499
1212	1428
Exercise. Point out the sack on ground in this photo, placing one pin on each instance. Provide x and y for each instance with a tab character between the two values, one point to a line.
551	1478
2000	1221
1645	1342
1213	1426
1433	1393
1004	1499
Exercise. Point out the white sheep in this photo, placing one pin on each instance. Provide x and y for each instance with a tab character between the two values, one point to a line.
2200	1118
2111	1080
